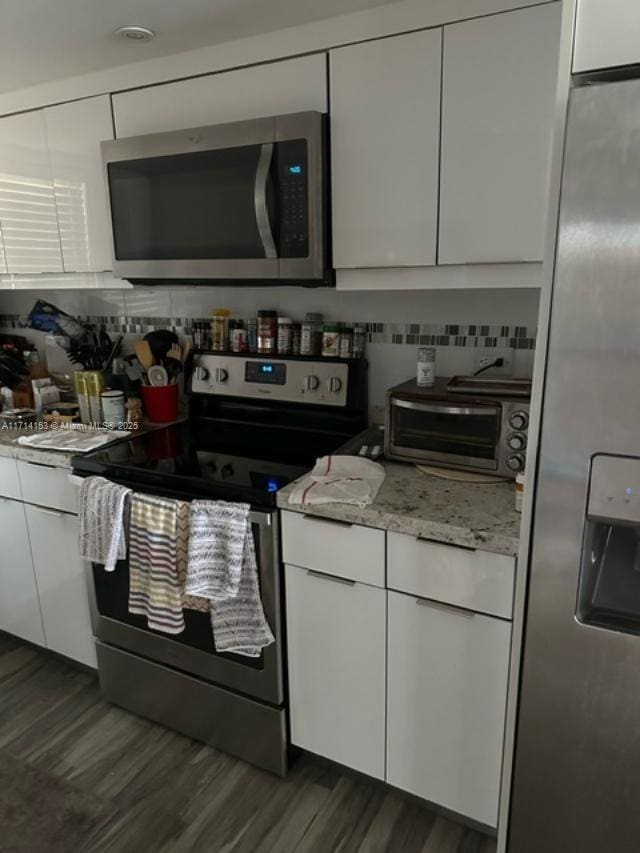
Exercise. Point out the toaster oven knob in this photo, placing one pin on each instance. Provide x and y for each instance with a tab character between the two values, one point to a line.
519	420
201	374
516	441
221	375
334	384
311	383
515	462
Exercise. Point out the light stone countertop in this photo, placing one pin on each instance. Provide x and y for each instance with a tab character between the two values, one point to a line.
409	501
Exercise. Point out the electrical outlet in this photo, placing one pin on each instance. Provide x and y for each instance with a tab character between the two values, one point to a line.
484	356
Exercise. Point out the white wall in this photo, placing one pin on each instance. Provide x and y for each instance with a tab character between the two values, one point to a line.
389	363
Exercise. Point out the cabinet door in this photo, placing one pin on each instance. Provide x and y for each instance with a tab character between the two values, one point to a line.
447	691
74	132
336	644
294	85
61	583
606	34
497	124
19	604
385	126
28	218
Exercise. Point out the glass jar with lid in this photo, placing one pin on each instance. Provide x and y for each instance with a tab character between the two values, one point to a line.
284	335
311	334
220	329
267	332
331	341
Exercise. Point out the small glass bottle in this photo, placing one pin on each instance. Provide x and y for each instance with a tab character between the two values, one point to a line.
220	329
284	336
311	334
345	346
359	340
252	334
267	332
238	338
426	368
330	338
296	331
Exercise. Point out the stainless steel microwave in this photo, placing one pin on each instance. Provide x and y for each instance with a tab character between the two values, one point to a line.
483	431
243	203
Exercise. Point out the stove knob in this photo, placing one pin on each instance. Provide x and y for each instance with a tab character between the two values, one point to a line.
516	441
519	420
201	374
221	375
334	384
227	470
311	383
515	462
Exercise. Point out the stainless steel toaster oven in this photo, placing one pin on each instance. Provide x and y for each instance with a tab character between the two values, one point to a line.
481	426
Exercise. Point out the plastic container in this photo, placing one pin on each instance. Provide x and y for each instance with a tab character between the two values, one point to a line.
426	367
113	409
330	341
346	343
220	329
161	403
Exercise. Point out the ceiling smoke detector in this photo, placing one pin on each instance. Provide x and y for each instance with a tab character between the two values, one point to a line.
135	33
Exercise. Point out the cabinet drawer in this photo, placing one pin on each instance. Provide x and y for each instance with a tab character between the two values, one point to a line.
9	481
47	485
476	580
334	548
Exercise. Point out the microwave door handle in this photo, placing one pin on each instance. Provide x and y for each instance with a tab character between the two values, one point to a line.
260	200
445	410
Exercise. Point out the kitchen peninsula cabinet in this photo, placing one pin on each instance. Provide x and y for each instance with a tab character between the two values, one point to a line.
385	136
290	86
498	100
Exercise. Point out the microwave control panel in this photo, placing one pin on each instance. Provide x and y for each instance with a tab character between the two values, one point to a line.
293	185
315	382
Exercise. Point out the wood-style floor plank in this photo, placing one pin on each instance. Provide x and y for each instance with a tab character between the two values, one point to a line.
160	791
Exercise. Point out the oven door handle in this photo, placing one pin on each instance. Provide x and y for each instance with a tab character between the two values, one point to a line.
445	410
260	200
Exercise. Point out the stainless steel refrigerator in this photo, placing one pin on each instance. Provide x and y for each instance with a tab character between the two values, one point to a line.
576	782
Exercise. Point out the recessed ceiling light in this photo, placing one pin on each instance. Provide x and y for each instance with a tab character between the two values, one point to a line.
135	33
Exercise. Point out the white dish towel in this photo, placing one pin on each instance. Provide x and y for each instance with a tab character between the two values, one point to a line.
339	479
102	525
222	567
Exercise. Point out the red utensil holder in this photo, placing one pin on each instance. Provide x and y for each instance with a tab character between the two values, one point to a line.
160	403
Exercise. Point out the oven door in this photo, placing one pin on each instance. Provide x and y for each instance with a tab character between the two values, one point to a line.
193	651
242	200
462	436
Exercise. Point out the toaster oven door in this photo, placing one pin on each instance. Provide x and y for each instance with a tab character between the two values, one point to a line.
461	435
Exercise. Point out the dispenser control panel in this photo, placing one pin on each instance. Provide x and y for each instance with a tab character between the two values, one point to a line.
614	489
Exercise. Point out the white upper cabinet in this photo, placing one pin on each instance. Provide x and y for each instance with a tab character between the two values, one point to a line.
74	132
385	126
607	34
294	85
497	123
28	221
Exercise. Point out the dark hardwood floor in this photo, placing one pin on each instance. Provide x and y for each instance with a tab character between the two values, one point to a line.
79	774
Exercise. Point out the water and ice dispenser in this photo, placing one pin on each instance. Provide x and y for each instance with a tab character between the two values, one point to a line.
609	588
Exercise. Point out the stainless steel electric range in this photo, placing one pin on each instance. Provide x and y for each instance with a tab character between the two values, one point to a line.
255	424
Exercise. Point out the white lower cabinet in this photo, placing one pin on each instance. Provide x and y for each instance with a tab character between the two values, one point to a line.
337	668
19	605
447	688
61	581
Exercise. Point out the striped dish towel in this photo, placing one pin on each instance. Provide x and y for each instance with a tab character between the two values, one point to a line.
157	544
223	568
102	509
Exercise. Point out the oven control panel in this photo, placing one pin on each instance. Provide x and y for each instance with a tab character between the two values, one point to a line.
317	382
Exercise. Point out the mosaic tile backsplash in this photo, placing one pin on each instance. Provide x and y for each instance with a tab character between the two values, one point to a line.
412	334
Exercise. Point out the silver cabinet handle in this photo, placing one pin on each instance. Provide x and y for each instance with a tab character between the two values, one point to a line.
440	605
47	511
445	410
326	577
260	200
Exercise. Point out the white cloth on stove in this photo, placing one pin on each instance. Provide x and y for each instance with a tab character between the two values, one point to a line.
102	507
339	479
222	567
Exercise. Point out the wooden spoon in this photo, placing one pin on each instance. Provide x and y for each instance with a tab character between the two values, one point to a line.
145	356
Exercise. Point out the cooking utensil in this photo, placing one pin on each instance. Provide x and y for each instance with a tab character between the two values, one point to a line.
161	341
144	354
173	368
158	376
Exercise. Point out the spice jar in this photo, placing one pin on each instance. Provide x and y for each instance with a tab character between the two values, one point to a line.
284	336
345	347
267	332
359	340
252	335
426	368
311	335
238	338
113	409
220	329
295	338
330	341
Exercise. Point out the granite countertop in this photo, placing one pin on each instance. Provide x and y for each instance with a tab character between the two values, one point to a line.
409	501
